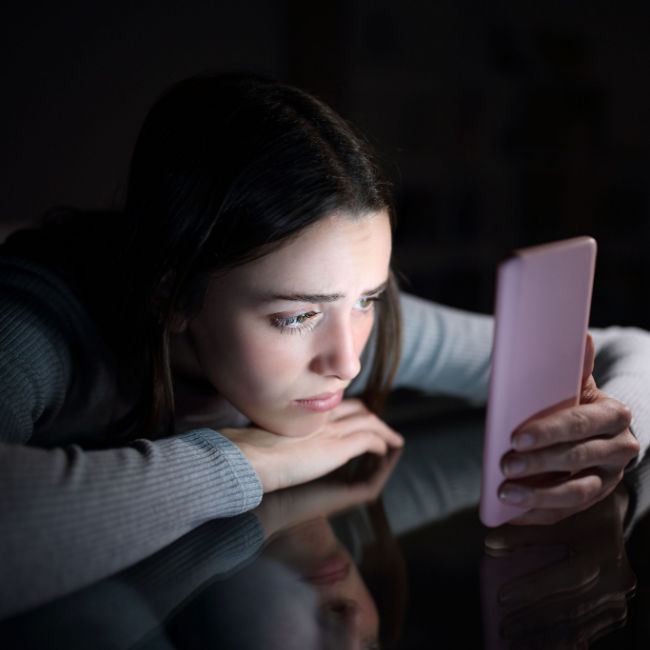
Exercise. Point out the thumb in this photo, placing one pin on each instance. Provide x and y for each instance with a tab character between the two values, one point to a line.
588	364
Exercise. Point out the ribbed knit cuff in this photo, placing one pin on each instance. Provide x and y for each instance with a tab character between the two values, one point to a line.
231	460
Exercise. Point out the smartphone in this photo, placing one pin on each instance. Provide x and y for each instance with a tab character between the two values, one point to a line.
542	307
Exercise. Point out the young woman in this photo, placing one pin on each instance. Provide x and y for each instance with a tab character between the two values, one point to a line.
247	285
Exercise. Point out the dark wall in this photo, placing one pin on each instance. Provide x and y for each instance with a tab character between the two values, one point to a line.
502	124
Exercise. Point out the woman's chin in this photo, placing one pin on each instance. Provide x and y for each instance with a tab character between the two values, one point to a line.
296	427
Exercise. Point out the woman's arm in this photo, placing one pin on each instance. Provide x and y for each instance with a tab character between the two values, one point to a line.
69	516
444	350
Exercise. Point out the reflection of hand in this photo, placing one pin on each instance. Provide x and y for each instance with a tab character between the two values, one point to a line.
285	508
281	461
570	601
567	461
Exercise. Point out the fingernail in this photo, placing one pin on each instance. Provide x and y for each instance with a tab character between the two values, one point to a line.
514	466
523	440
513	494
495	542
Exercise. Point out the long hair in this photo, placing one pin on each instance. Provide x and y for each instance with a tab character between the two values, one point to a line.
225	169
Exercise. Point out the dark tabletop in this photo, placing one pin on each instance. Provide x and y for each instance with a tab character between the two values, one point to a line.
383	553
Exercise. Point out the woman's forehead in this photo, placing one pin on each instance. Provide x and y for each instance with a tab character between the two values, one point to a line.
323	258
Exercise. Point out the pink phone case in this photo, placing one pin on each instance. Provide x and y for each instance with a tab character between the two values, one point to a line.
541	316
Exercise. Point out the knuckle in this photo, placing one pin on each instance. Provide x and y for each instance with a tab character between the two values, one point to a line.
578	423
581	495
632	444
584	492
381	446
370	420
626	416
577	456
621	413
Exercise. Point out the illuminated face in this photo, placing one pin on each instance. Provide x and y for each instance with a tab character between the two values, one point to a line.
347	609
280	337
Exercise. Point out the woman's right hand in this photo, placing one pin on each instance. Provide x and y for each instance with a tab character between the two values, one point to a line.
281	461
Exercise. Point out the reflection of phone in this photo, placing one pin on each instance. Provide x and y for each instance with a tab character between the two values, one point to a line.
541	315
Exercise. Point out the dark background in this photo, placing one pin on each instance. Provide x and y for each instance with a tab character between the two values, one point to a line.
502	124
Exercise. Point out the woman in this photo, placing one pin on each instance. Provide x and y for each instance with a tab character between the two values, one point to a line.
239	286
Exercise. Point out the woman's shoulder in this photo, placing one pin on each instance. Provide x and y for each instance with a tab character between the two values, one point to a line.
50	349
33	296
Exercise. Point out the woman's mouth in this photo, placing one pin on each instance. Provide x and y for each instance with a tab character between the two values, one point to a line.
330	572
322	402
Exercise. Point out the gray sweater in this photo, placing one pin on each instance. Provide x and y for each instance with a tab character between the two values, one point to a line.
70	515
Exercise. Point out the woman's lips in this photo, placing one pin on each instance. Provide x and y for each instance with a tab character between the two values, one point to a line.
322	402
330	572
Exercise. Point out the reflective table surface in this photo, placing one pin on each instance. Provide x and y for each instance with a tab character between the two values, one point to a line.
384	553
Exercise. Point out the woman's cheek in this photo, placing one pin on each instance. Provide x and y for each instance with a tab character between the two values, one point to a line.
269	359
362	333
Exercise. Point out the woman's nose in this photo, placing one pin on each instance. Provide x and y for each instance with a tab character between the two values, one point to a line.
337	354
342	608
341	617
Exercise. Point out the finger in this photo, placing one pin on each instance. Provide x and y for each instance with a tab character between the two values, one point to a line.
604	417
360	442
322	456
576	493
366	422
614	452
588	363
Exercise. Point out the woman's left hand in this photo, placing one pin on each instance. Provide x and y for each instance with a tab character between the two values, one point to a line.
567	461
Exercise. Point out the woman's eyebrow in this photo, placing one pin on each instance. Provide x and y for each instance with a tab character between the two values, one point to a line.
320	297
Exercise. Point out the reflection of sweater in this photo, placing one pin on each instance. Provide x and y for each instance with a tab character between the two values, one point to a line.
64	507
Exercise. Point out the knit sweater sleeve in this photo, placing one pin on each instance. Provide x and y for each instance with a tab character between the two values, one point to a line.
69	516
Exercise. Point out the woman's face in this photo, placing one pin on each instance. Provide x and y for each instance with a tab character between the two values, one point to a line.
280	337
318	558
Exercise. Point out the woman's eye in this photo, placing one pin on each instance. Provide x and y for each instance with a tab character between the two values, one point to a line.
296	323
366	303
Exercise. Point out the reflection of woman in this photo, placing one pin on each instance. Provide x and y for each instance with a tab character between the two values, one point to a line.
246	270
219	582
347	610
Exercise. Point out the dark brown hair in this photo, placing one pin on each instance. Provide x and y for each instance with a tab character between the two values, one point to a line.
226	169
